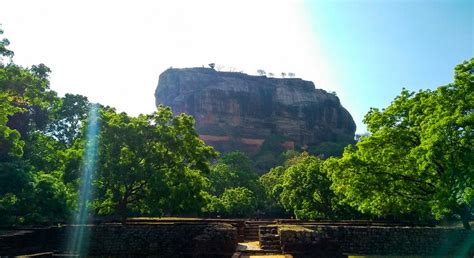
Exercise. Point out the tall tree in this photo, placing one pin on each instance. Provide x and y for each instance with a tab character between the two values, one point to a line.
419	156
139	156
31	189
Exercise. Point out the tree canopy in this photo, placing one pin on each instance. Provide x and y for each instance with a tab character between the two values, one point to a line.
145	156
419	156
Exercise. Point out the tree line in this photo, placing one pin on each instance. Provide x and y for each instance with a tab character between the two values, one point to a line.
416	163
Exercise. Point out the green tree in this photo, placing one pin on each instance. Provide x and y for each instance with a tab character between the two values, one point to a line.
4	51
270	153
238	202
418	158
28	90
329	149
15	188
234	169
10	141
28	193
305	189
50	201
271	183
68	116
148	156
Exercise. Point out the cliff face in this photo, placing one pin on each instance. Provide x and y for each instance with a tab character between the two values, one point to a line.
239	111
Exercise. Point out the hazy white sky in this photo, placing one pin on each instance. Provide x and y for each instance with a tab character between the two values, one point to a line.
114	51
365	50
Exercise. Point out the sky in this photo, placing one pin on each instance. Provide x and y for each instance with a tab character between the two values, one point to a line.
366	51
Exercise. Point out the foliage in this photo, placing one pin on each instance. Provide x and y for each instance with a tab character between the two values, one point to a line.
328	149
30	190
418	156
270	154
238	201
10	143
51	199
234	202
233	170
271	183
305	189
149	155
68	118
4	51
15	178
417	162
29	92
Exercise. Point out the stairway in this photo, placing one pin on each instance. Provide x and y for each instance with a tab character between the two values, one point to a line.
251	229
269	238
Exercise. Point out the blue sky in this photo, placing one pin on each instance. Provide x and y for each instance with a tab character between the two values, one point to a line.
378	47
113	51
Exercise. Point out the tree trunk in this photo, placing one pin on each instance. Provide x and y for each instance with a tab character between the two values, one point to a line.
466	217
122	210
465	223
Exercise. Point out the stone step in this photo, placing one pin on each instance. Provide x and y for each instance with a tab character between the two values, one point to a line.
270	243
269	236
273	250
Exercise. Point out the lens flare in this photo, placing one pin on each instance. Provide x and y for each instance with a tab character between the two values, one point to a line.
78	233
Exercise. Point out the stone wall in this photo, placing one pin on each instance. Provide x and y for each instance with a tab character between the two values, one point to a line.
356	240
159	240
15	242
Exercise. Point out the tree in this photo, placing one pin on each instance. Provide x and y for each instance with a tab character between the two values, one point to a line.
283	74
10	141
4	51
68	117
147	156
291	75
305	189
29	190
28	90
219	67
261	72
50	202
329	149
271	75
233	170
271	183
234	202
418	158
239	201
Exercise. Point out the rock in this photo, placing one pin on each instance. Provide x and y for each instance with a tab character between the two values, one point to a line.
239	111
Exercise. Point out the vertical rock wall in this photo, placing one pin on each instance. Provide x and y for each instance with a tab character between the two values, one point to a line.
239	111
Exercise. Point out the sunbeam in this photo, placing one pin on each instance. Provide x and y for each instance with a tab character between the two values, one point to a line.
78	233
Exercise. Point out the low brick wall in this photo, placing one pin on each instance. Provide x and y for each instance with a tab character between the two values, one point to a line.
29	240
158	240
356	240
